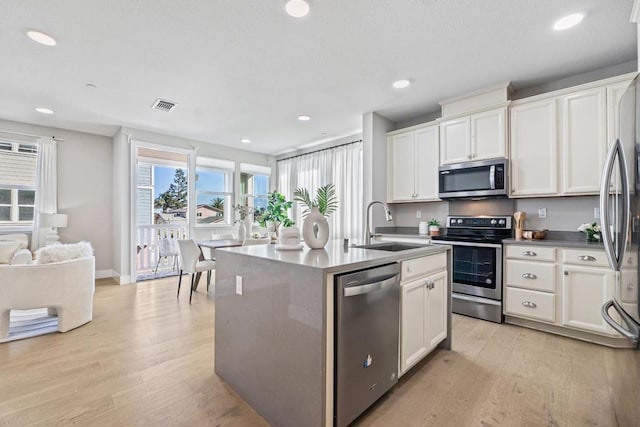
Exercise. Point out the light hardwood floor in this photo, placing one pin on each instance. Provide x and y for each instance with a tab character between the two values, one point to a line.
147	359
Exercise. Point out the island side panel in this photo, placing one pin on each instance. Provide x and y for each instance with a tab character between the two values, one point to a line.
269	342
446	344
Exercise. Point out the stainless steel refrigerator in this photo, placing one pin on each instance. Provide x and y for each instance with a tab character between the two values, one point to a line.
620	215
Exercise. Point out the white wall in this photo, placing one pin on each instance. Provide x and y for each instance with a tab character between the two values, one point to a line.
84	187
122	184
374	162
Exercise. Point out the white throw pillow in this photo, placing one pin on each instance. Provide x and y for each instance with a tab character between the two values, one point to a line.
7	249
22	238
63	252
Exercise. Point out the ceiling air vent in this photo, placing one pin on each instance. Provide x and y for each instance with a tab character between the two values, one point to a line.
163	105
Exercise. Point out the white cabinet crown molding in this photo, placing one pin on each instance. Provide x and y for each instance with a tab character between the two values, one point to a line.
572	89
414	127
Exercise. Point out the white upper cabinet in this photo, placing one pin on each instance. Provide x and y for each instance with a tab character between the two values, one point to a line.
402	160
455	143
584	140
559	140
427	148
488	134
477	136
534	149
413	165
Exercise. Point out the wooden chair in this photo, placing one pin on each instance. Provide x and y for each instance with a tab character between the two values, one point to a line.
190	254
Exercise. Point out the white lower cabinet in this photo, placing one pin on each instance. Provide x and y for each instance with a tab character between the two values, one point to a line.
566	291
584	291
423	311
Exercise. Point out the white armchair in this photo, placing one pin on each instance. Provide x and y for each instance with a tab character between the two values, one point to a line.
65	288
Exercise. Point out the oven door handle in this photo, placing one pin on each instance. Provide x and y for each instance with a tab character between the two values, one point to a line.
459	243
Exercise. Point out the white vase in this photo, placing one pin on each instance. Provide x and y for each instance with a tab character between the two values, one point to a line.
315	229
242	231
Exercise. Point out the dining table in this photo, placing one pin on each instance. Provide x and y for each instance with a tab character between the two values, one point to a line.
213	245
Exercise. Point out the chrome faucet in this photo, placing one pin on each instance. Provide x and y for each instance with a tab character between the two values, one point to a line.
368	234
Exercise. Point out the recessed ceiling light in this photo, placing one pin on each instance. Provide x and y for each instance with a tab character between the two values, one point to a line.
44	110
568	21
245	141
304	118
41	38
401	84
297	8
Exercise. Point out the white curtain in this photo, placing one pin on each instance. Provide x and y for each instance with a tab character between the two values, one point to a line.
46	188
341	166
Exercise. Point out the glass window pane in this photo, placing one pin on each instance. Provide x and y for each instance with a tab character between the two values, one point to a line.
211	209
261	184
25	213
260	202
26	148
210	181
5	196
26	197
5	213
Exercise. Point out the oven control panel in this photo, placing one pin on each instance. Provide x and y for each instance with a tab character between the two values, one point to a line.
499	222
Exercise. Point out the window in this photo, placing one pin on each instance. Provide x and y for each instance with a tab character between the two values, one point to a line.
17	182
214	191
254	185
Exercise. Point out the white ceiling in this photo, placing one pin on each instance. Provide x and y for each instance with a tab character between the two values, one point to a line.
245	69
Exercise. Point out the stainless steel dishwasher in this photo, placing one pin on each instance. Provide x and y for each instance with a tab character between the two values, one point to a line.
367	323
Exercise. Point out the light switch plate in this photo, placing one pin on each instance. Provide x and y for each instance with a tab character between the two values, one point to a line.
542	212
239	285
596	213
418	214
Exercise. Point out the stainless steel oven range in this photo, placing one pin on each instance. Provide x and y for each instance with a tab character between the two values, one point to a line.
477	263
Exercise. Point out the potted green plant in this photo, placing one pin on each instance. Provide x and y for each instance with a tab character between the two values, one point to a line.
434	227
315	228
276	212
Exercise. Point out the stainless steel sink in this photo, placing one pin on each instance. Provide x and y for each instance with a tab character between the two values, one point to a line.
391	246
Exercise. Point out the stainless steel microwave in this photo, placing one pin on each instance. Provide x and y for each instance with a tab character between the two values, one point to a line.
483	178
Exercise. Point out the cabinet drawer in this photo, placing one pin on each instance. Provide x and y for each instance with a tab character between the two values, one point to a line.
532	253
538	276
419	266
531	304
630	261
584	257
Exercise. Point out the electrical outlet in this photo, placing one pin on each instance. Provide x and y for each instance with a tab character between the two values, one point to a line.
542	212
239	285
596	213
418	214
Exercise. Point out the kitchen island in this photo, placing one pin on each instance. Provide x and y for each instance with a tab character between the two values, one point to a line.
274	322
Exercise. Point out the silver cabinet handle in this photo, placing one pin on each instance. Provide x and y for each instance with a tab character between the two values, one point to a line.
529	253
529	276
529	304
586	258
430	284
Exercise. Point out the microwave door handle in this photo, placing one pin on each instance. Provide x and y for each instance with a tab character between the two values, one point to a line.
492	177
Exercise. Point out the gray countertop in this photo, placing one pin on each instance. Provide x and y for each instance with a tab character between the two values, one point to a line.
334	257
572	239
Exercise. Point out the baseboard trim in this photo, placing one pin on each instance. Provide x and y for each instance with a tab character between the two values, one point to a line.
123	280
105	274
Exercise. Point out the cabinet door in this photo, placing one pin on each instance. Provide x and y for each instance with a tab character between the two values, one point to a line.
427	149
455	141
436	309
614	93
534	149
413	323
401	167
488	134
584	291
584	140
